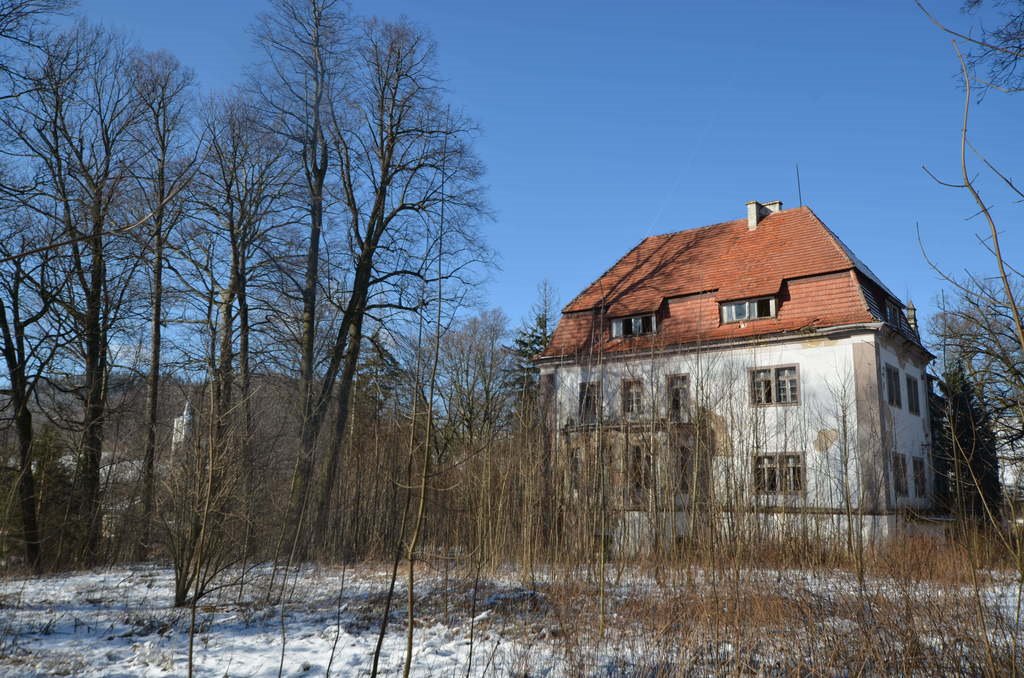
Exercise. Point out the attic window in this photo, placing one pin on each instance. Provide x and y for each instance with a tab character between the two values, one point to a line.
635	326
748	309
892	313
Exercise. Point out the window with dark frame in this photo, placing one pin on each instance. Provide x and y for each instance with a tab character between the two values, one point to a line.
685	468
892	386
574	470
892	312
899	472
632	398
920	478
679	398
779	473
913	396
775	385
640	472
590	402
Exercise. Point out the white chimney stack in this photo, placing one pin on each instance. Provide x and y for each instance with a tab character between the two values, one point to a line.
757	211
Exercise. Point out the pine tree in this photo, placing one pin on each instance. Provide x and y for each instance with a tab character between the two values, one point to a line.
970	449
532	337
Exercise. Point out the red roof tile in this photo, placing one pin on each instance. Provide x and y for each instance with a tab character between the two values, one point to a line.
791	254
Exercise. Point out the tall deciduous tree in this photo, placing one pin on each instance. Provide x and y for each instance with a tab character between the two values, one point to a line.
164	88
20	34
410	198
76	129
31	336
303	42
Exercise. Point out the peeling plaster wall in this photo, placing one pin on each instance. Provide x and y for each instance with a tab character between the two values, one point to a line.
907	433
835	426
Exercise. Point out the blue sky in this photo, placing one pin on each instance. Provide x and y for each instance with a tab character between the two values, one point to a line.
604	122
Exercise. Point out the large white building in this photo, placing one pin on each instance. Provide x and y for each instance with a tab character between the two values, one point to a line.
752	372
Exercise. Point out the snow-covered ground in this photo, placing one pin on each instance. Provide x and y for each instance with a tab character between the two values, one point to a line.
120	622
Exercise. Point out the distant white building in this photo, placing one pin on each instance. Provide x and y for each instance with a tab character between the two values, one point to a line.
754	370
182	429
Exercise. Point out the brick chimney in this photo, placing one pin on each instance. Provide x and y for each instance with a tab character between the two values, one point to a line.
757	211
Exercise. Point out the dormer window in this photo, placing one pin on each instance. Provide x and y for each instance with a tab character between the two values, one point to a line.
892	312
635	326
748	309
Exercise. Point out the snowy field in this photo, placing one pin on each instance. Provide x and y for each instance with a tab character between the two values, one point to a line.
120	622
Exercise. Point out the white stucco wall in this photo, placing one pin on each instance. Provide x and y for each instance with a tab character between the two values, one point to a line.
909	433
720	387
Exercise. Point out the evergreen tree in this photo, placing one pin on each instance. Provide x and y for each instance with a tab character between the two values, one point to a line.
969	448
532	337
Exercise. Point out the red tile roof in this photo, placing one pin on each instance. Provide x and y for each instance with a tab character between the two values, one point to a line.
791	254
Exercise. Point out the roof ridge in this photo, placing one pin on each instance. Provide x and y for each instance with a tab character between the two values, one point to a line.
728	222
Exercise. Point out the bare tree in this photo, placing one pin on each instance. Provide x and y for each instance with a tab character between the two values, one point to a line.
21	23
75	129
303	45
240	191
402	154
984	325
31	337
164	88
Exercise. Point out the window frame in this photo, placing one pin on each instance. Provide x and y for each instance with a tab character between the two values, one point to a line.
900	486
685	467
777	466
920	471
774	370
635	323
639	473
590	390
631	393
913	394
892	313
727	310
682	416
893	386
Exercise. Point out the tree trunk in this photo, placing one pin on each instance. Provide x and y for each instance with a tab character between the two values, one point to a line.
14	356
152	402
340	425
95	401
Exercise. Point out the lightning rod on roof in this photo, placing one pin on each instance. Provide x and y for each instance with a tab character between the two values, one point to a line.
800	195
